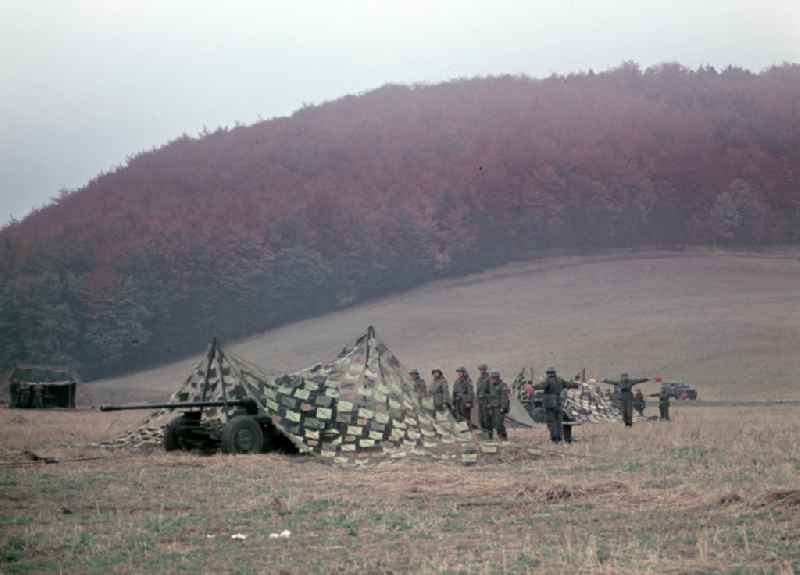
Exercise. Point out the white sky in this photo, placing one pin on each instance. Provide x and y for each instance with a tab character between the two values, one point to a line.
85	83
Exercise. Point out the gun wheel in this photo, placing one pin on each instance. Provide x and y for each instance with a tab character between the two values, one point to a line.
242	434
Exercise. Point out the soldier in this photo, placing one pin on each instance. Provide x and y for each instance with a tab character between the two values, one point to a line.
483	382
440	391
639	403
624	389
463	396
553	402
496	403
420	387
663	403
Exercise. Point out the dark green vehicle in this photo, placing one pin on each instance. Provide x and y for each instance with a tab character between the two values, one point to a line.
682	391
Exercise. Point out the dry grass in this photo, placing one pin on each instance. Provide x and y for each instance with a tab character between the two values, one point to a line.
717	491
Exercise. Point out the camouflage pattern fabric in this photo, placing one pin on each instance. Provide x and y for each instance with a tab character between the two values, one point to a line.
362	406
224	377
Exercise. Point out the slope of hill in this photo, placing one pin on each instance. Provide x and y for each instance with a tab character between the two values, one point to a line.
728	323
245	229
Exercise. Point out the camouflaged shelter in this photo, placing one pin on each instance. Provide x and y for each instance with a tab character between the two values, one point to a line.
218	376
362	405
358	407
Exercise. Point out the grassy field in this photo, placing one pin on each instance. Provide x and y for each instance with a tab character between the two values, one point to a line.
715	491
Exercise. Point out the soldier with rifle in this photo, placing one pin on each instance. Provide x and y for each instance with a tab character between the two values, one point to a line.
553	402
463	396
419	385
624	387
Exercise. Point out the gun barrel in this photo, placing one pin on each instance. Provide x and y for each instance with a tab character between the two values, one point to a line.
250	403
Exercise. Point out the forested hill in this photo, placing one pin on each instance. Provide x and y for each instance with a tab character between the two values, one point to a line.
242	229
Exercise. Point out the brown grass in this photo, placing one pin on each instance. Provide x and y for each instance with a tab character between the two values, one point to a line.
716	491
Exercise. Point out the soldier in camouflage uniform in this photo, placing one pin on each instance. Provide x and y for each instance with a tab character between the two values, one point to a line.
495	399
463	396
420	387
440	391
639	403
482	383
624	387
553	401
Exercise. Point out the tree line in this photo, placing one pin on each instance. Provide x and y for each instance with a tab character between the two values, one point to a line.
243	229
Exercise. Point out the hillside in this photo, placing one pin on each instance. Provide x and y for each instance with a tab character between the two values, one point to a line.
728	323
245	229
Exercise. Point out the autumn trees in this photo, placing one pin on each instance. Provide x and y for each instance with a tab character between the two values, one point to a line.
242	229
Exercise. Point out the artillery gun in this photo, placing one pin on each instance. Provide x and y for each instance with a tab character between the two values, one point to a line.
239	423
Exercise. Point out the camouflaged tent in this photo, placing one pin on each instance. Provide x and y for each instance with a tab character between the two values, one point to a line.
219	376
358	407
362	405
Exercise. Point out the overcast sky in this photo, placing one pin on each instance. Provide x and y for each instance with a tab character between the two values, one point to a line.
85	83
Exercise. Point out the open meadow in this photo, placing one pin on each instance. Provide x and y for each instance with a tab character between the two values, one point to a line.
715	491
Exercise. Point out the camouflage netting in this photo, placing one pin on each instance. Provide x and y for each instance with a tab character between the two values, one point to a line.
223	376
586	404
362	406
590	404
357	408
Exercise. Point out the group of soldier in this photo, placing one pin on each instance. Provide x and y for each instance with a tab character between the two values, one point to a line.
493	399
491	394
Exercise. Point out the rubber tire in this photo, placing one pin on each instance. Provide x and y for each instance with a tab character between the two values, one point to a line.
242	434
172	434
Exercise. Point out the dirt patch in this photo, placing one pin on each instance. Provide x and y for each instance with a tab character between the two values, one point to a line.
783	499
729	499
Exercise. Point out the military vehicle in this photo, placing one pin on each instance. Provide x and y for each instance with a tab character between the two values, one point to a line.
42	387
679	390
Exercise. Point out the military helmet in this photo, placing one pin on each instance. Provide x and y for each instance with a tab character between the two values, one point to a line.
494	374
461	370
436	371
483	367
414	371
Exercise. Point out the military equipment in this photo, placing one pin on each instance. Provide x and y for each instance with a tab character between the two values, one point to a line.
358	407
242	426
680	390
42	386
